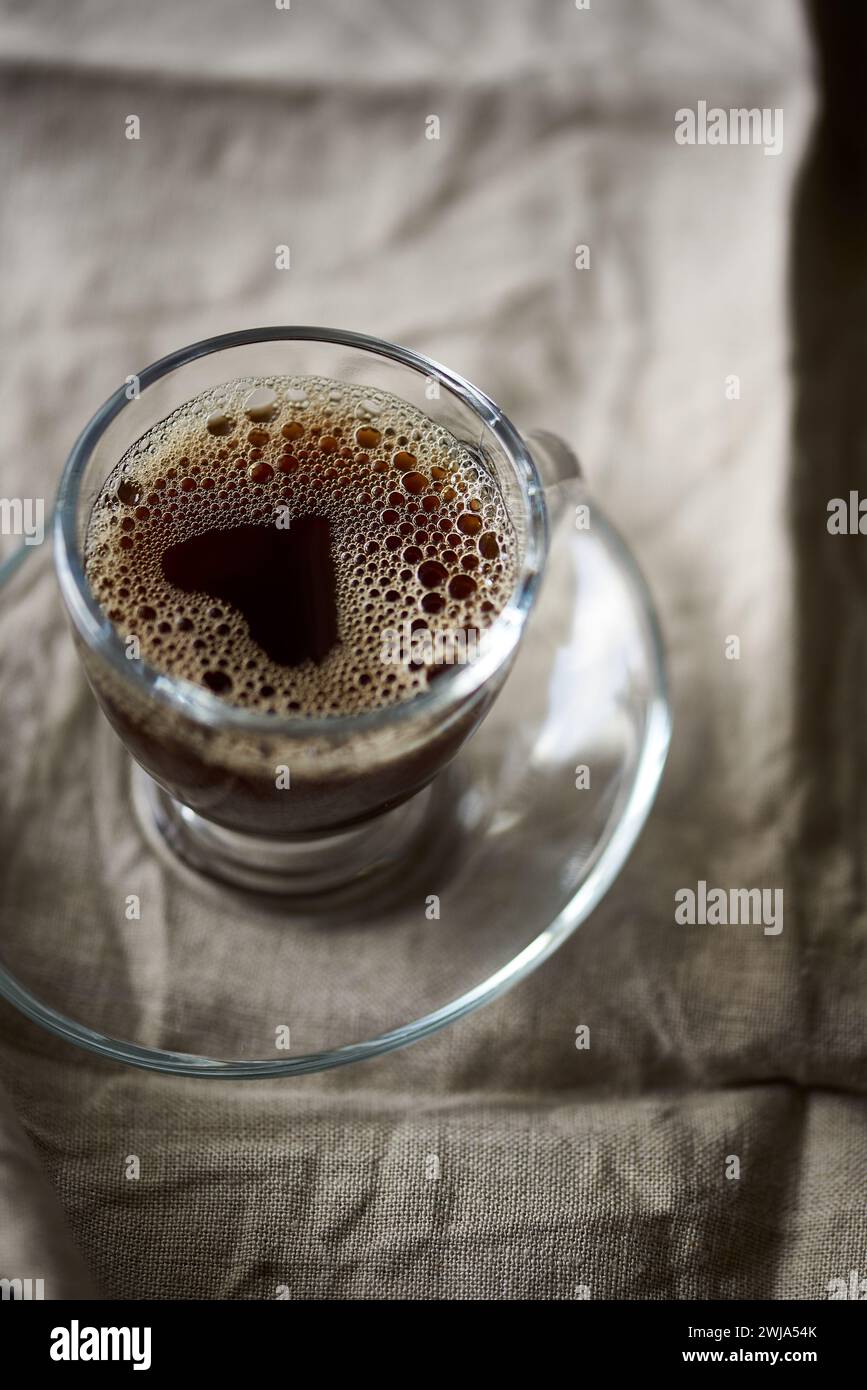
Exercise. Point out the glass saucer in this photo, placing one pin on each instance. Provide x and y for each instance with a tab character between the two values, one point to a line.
109	942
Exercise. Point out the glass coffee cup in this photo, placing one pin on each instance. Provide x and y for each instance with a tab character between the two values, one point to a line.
304	806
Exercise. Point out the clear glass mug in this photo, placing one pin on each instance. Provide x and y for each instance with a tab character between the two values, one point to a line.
204	779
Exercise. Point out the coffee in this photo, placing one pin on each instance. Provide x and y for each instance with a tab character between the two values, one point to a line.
267	537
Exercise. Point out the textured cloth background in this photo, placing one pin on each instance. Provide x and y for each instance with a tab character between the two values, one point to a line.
559	1168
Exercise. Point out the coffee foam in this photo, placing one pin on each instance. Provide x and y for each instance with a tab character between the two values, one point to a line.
419	534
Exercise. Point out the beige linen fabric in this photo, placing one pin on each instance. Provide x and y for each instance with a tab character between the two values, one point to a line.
559	1169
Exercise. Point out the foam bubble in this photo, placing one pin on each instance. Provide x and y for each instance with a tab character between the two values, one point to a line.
419	535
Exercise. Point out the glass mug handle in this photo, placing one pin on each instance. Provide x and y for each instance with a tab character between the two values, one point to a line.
555	461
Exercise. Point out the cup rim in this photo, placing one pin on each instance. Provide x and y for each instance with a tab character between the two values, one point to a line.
456	684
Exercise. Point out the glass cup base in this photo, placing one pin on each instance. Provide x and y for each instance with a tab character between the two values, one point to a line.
311	873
